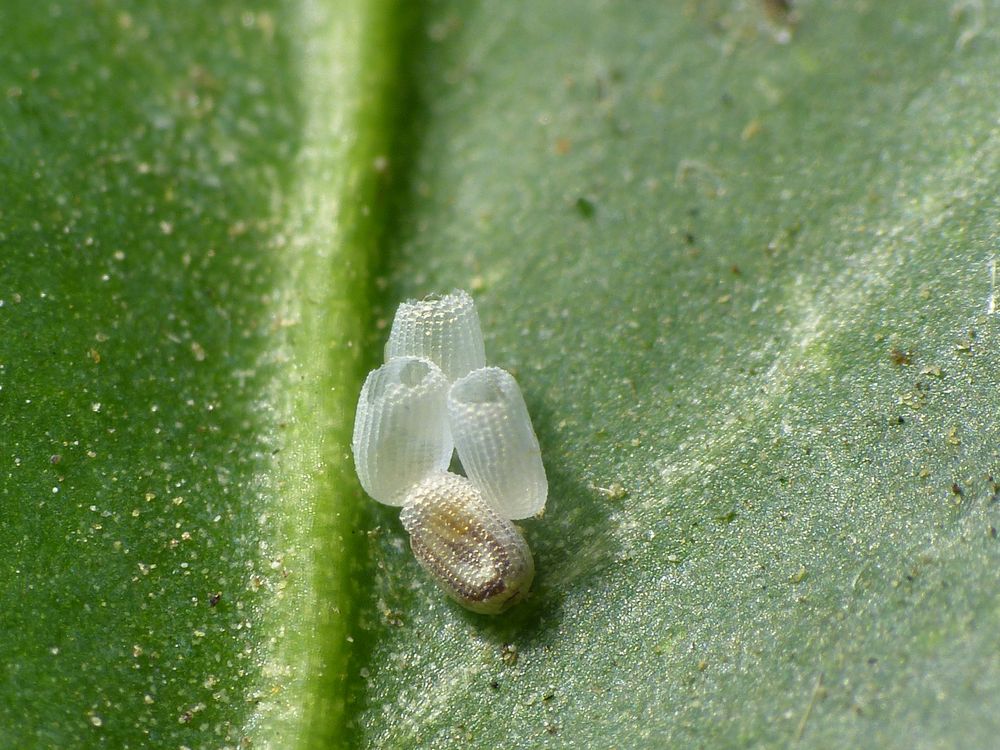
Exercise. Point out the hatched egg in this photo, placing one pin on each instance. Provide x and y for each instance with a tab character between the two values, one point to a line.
496	443
442	328
401	431
479	558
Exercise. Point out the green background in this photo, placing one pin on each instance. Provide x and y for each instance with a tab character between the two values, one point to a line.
743	264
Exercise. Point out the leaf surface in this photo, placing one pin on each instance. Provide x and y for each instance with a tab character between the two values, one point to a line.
742	264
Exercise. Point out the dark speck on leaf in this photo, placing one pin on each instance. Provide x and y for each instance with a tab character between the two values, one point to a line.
726	518
778	7
585	207
214	599
899	357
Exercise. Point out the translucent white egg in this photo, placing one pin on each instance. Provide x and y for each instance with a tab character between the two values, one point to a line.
401	432
496	442
442	328
478	558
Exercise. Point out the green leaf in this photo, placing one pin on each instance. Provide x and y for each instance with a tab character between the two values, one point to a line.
742	262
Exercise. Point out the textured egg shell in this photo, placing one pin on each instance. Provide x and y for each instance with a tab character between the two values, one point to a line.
444	329
401	432
478	558
496	442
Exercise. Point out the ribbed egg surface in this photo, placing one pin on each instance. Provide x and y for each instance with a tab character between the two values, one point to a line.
478	558
442	328
401	431
496	442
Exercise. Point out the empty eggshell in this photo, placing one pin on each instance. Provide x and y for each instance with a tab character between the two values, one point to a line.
496	443
478	558
444	329
401	432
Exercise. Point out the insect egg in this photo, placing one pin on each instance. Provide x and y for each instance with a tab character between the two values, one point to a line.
401	431
496	443
478	558
444	329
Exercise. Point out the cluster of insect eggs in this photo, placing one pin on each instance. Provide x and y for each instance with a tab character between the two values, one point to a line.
435	396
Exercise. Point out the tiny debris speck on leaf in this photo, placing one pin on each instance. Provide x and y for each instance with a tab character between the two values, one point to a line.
509	654
901	358
585	207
